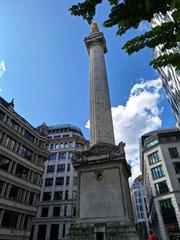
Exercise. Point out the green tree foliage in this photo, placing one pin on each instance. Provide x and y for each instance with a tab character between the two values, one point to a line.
129	14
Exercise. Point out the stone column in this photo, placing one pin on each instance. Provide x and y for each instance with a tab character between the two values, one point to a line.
101	127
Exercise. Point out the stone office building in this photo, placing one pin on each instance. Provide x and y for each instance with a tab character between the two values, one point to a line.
160	164
22	155
57	206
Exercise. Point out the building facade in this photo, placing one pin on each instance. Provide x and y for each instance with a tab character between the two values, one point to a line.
57	205
160	165
22	154
138	199
169	75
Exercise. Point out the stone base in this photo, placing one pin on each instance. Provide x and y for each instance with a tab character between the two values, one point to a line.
103	232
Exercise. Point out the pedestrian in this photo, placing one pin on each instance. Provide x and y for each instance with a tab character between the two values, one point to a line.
151	236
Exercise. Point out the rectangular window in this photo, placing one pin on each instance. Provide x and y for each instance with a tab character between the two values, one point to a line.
9	219
1	186
10	143
67	180
157	172
50	168
44	212
68	167
4	162
2	114
28	136
62	155
52	156
47	196
14	125
48	181
74	195
173	152
56	211
66	195
61	168
64	231
54	231
60	181
153	158
75	181
168	212
177	167
153	143
26	153
161	187
42	232
21	171
65	211
58	195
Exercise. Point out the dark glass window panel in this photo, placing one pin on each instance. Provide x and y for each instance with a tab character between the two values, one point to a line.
32	232
66	195
173	152
58	195
47	196
68	167
14	125
48	181
50	168
25	225
60	181
31	198
9	219
61	168
62	155
177	167
10	143
67	180
161	187
28	136
1	186
52	156
26	153
42	232
44	212
2	114
64	231
15	193
56	211
168	212
4	162
54	232
21	171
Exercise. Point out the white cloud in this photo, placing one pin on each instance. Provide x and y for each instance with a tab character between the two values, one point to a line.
144	26
2	68
139	115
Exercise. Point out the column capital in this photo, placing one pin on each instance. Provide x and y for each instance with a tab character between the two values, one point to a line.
95	38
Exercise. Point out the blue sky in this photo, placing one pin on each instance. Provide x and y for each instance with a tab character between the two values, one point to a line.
47	65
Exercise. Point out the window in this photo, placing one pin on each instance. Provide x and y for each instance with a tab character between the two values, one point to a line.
26	153
50	168
177	167
75	180
74	211
61	168
2	114
10	143
70	144
66	145
42	232
54	231
68	167
56	211
44	212
66	195
35	179
48	181
51	146
4	163
31	198
59	181
67	180
153	143
62	155
21	171
47	196
9	219
56	145
153	158
70	155
1	186
64	230
65	211
173	152
161	187
52	156
157	172
14	125
28	136
58	195
15	193
74	195
168	212
61	145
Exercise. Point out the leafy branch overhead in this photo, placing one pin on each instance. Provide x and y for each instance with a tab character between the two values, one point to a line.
129	14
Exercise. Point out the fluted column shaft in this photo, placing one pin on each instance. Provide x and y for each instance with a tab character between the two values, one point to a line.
101	127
